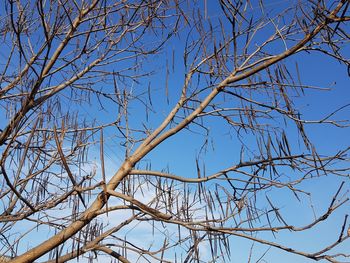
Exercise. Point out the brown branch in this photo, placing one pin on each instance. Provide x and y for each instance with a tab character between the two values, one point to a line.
65	164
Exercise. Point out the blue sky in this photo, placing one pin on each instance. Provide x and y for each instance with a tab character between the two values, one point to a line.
179	153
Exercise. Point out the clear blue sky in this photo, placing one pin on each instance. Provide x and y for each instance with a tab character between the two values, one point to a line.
178	154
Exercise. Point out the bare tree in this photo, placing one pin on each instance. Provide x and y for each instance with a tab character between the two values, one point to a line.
87	86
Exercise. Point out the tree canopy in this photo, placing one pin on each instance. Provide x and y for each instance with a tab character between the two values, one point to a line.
174	131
